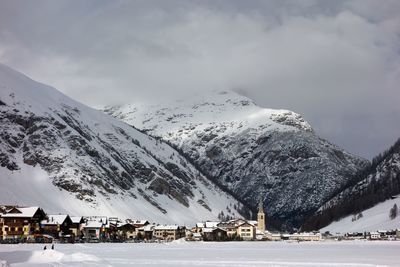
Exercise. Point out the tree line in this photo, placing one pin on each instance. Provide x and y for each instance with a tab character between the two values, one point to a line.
381	181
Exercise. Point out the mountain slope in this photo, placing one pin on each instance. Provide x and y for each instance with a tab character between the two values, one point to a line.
253	152
373	219
381	182
52	147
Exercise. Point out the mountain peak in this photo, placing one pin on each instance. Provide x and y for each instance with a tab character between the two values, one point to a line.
204	110
66	157
252	151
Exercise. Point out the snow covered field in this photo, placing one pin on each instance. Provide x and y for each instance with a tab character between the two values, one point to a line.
180	253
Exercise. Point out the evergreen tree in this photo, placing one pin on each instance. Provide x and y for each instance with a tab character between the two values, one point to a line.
393	212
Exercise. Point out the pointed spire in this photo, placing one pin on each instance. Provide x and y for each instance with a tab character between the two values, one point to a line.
260	206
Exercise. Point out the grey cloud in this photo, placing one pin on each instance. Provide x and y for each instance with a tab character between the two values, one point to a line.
335	62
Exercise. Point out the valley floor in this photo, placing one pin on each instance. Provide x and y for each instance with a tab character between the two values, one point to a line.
181	253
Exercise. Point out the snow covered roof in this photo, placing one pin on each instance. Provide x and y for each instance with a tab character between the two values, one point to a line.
121	224
200	225
237	221
246	223
55	219
114	220
76	219
139	222
93	224
166	227
148	228
100	219
27	212
212	224
227	224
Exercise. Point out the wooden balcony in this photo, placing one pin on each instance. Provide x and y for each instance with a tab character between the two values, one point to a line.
8	233
15	224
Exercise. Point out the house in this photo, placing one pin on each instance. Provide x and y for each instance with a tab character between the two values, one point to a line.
306	236
246	231
261	235
273	236
21	222
374	235
199	227
230	227
391	235
2	211
145	232
169	232
96	228
354	236
58	226
111	229
126	231
197	237
214	234
77	226
93	231
189	234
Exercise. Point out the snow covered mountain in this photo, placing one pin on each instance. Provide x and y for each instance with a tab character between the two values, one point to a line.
372	196
255	153
66	157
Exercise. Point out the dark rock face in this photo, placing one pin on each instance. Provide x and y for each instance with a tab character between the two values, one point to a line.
295	172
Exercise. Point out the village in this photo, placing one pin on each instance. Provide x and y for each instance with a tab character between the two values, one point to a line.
33	225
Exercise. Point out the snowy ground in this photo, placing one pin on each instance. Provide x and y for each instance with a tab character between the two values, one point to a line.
232	254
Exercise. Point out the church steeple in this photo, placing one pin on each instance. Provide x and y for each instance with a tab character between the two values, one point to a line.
260	206
261	217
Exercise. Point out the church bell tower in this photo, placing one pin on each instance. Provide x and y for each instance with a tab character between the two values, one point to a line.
261	217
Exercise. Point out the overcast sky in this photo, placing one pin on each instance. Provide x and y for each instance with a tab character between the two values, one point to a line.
335	62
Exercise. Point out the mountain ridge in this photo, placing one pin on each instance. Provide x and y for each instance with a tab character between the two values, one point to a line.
96	162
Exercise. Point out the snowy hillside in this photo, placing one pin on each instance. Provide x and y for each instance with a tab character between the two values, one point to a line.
373	219
379	182
63	156
254	152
